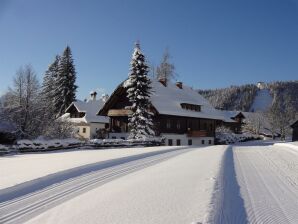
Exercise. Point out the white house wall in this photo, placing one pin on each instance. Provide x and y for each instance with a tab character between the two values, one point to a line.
90	130
94	127
183	139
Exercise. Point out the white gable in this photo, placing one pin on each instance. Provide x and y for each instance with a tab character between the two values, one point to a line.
90	108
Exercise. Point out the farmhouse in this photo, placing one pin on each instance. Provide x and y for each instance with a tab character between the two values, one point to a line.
181	115
295	131
83	115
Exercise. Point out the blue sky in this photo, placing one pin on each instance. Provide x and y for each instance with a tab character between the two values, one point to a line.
213	43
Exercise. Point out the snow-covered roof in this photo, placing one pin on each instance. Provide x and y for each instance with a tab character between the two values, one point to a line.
228	114
168	99
90	108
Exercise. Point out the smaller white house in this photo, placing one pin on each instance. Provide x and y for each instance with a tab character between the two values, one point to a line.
261	85
83	115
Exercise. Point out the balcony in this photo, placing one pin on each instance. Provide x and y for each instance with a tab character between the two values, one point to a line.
201	133
119	112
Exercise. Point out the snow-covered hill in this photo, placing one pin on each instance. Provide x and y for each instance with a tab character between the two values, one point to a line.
248	97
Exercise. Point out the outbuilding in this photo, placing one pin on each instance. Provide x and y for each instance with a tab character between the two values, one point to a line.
295	131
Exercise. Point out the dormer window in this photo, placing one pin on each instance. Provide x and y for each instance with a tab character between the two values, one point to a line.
193	107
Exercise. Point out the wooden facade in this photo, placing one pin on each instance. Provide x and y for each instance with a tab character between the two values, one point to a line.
295	131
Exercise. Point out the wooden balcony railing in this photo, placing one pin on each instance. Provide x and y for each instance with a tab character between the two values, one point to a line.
201	133
119	112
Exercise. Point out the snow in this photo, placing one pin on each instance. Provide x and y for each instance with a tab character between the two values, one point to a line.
292	145
47	144
3	148
262	101
230	137
227	114
16	169
268	179
168	99
177	190
251	182
91	107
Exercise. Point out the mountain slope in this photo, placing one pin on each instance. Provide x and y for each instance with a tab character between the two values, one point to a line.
262	101
249	97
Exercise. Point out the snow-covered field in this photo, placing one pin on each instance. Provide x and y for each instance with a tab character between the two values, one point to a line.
251	182
268	179
17	169
175	191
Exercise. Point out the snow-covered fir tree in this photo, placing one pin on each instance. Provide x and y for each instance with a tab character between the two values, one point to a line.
49	83
138	92
65	87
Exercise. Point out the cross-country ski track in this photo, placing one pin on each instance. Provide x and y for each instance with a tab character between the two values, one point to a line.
245	183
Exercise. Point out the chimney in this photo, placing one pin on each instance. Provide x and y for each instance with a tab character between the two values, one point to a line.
93	95
104	97
179	85
163	81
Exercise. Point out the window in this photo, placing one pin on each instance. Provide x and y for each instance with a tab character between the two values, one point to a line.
203	142
122	138
178	142
113	137
178	124
189	141
84	130
170	142
210	142
168	123
193	107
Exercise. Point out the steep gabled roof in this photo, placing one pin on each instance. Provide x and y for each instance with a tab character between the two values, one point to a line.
295	124
167	100
90	108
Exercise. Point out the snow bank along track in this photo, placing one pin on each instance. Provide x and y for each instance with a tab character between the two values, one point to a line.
24	201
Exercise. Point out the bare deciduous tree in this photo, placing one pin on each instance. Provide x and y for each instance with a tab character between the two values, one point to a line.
166	70
21	102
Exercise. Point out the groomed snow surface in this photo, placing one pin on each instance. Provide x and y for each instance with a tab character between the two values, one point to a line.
246	183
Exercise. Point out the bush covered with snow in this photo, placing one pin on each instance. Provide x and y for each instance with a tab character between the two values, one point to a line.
3	149
156	141
226	136
44	145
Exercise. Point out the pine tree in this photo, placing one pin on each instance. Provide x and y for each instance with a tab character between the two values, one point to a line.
138	92
65	88
49	83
